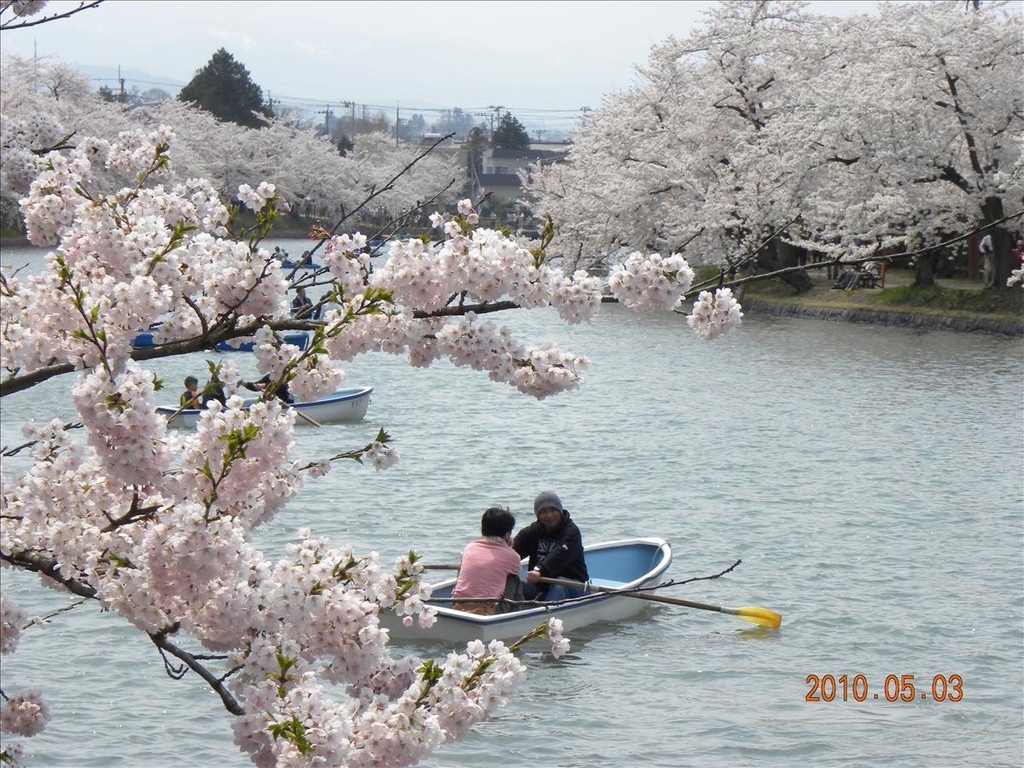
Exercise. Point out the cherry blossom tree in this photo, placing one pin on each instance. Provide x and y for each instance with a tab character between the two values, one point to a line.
687	161
836	136
157	525
45	105
935	145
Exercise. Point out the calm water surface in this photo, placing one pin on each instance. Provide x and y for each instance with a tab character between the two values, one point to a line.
870	480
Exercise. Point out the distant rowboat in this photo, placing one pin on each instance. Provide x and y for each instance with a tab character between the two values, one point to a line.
344	406
299	338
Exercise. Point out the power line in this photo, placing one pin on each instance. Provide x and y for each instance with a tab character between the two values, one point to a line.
551	119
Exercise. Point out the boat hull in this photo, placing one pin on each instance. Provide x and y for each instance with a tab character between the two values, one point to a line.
299	338
622	564
344	406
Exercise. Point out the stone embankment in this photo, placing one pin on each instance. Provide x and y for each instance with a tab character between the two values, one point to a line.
965	323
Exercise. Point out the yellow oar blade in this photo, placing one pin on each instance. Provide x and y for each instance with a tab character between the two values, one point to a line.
761	616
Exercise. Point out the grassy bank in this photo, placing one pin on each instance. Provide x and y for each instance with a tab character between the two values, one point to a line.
950	304
948	297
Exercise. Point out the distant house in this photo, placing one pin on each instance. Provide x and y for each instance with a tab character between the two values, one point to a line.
501	167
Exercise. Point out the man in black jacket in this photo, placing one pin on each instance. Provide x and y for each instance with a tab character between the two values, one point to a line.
555	548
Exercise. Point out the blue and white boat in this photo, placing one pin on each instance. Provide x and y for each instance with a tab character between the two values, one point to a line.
344	406
288	264
624	564
299	338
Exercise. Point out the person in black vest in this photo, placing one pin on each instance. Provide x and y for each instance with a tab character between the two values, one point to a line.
555	547
214	390
282	392
302	305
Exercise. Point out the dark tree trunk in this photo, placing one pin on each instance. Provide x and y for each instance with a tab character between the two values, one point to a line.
924	271
1002	246
784	255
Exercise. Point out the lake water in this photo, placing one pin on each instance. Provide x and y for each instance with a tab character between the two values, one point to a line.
871	481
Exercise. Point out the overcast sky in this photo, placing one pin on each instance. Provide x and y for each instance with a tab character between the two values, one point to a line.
543	61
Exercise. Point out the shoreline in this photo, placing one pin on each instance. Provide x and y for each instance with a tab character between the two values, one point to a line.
779	306
887	318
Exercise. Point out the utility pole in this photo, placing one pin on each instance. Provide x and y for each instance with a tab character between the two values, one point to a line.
397	121
495	110
352	128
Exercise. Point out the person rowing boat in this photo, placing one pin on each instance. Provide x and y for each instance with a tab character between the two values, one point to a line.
554	546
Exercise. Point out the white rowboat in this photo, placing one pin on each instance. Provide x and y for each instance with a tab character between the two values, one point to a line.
623	564
344	406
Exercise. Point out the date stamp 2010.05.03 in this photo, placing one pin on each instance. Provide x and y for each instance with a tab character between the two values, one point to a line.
895	688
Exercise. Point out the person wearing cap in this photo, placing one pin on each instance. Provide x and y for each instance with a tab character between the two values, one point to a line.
555	547
490	567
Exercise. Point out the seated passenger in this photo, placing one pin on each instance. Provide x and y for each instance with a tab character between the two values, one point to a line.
214	390
190	397
490	567
848	279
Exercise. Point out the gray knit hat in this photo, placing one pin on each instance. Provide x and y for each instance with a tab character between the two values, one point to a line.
546	500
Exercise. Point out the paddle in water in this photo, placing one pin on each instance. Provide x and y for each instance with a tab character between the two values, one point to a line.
761	616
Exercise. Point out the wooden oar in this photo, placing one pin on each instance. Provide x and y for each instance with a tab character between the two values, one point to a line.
310	419
761	616
254	386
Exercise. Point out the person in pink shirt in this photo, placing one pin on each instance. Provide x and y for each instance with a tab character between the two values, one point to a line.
490	567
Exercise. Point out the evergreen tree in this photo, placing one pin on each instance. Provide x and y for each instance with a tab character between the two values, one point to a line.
107	94
510	134
224	88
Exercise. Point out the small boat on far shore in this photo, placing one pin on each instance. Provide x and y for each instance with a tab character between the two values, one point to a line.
344	406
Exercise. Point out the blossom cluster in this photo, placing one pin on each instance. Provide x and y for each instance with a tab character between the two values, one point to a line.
25	714
715	314
11	619
159	523
26	7
651	282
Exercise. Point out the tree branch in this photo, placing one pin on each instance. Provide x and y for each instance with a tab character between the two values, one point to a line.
194	663
36	562
82	6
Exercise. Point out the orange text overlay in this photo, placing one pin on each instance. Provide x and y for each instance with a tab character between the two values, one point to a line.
892	688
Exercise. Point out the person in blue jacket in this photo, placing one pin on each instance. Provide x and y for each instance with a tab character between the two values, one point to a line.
554	546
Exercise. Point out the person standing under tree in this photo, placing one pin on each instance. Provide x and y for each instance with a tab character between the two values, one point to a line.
988	261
